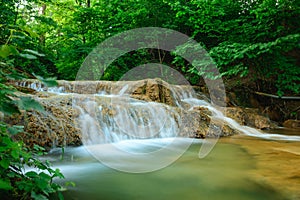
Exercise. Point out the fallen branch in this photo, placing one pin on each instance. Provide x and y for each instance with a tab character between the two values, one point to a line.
277	97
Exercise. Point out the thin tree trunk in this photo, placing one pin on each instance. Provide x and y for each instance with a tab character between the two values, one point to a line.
42	36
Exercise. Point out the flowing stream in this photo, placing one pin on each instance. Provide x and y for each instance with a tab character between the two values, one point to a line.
112	123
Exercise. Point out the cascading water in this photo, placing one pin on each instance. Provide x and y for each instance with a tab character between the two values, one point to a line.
120	119
110	114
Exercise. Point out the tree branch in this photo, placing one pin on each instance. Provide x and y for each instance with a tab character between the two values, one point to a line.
277	97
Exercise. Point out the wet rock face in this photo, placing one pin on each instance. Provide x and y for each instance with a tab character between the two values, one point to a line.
198	123
154	90
249	117
56	126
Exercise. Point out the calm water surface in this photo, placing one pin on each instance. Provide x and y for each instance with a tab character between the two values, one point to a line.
224	174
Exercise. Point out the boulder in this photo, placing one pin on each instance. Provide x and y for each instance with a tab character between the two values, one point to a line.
198	123
154	90
249	117
290	123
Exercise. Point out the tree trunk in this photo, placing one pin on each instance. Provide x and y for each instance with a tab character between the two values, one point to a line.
42	36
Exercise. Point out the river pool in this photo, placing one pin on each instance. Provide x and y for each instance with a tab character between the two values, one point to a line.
238	168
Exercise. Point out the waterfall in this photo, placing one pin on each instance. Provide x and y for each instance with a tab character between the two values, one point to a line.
115	111
112	119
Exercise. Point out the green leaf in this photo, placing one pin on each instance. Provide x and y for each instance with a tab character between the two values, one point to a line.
49	82
36	196
7	50
70	183
8	108
60	196
45	176
15	154
5	185
28	103
31	32
38	148
34	52
13	130
4	163
31	174
57	173
28	56
15	76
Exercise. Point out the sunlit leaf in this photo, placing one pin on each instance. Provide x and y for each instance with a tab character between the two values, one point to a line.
31	32
34	52
28	56
7	50
70	183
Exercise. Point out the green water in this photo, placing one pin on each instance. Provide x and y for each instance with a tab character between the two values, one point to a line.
223	175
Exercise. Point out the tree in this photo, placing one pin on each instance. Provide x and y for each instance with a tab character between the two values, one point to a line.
261	37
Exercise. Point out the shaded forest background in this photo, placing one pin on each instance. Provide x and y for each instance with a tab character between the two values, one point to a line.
253	42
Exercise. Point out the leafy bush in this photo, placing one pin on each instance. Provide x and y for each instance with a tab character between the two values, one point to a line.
15	182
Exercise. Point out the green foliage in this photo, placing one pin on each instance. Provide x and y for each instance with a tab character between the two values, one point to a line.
49	82
256	39
20	43
259	39
15	182
80	28
14	156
